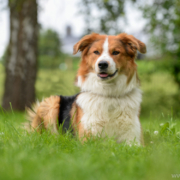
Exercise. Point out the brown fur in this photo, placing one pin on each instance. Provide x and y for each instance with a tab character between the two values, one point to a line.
84	42
44	115
76	116
85	46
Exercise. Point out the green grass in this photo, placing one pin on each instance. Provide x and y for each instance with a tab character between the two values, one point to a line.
46	156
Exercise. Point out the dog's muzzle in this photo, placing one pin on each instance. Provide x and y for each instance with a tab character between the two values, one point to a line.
105	75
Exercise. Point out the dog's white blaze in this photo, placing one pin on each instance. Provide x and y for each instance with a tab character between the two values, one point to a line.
106	57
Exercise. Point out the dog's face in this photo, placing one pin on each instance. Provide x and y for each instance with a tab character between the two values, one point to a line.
105	58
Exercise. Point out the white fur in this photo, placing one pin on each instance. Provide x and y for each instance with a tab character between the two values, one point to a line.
106	57
114	87
79	81
111	108
114	117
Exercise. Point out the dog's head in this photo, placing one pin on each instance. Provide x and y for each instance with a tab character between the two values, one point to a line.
106	60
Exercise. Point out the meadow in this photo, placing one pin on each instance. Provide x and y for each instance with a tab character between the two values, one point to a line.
45	156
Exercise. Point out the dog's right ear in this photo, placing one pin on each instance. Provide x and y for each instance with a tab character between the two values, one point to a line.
85	42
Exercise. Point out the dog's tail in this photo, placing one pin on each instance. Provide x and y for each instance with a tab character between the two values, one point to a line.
43	115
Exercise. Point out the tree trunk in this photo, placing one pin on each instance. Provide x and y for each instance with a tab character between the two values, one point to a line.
21	62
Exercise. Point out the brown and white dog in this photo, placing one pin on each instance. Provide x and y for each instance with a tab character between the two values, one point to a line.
109	101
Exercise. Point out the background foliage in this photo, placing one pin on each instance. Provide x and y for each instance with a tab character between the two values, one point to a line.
49	43
49	49
163	24
107	19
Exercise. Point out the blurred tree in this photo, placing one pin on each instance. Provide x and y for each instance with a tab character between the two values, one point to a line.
4	56
21	57
163	22
105	13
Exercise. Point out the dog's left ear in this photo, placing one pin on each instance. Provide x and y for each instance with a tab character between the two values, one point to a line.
132	44
85	42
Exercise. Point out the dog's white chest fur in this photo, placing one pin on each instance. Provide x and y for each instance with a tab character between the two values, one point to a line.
114	117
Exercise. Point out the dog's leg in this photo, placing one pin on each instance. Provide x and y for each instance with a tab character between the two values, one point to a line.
78	128
44	114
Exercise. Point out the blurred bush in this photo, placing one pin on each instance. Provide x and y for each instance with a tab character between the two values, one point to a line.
47	62
49	49
49	43
160	92
50	55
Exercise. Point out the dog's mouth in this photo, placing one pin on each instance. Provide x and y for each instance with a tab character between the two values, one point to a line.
105	75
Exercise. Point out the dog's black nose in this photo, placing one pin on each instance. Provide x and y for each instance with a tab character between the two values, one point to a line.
103	65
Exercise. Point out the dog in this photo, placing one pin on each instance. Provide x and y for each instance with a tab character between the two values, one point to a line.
109	101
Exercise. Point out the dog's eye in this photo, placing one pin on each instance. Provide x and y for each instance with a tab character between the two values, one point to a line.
115	52
96	52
